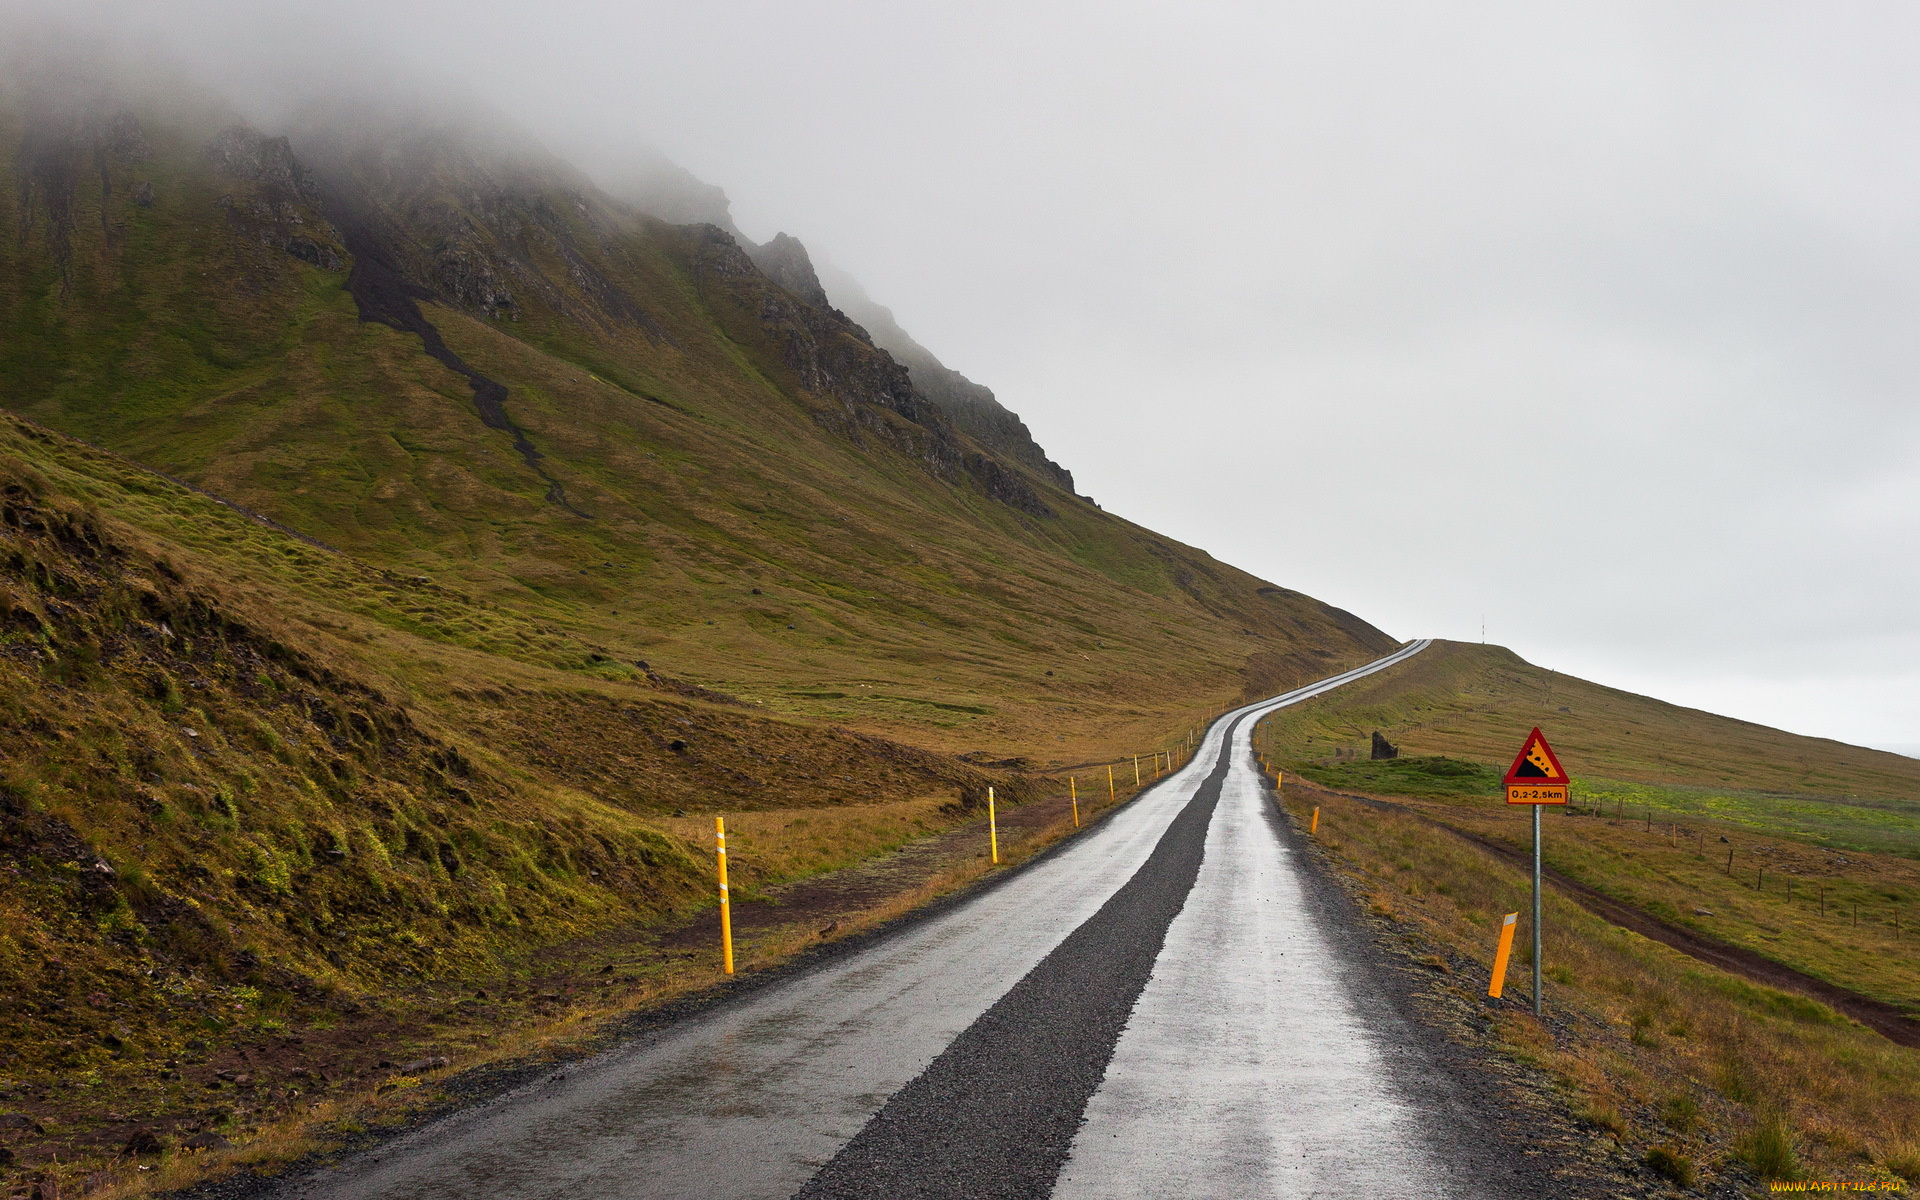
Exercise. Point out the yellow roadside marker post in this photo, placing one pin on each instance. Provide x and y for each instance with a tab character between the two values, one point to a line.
993	828
1110	792
1073	791
1499	982
1313	827
726	911
1136	770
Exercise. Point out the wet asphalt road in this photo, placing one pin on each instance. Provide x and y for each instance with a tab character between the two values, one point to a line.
1169	1005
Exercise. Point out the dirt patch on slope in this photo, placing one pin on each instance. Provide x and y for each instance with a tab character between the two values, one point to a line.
668	755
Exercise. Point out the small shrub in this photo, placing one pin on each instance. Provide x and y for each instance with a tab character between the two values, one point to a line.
164	690
1672	1166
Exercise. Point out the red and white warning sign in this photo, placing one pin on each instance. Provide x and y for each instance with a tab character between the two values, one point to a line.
1536	776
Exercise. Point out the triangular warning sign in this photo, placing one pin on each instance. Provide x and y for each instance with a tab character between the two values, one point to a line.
1536	763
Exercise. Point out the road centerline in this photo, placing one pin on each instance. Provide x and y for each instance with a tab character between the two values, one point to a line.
994	1115
1248	1066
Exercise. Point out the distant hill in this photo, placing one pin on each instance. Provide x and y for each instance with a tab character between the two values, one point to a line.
1476	702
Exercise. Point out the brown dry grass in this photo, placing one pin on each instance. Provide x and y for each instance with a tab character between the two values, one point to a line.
1652	1048
834	835
1851	918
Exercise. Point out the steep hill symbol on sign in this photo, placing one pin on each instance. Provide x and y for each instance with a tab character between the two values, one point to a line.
1536	763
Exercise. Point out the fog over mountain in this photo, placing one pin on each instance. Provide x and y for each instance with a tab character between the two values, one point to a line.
1590	322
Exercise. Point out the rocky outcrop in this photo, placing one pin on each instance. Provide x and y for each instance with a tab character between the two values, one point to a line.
973	407
975	410
282	207
246	153
504	233
832	357
786	261
494	227
1382	748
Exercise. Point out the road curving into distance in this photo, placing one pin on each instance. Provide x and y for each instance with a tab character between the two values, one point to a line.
1167	1005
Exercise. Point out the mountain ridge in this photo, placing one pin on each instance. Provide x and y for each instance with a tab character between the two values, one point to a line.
198	325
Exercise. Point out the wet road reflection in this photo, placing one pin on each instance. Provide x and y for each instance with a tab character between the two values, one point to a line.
749	1100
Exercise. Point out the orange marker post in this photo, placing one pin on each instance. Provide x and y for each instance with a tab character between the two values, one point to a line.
1313	826
1499	982
1073	793
1110	791
726	911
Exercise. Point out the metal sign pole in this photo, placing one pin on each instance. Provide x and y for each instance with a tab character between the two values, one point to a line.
1536	778
1536	910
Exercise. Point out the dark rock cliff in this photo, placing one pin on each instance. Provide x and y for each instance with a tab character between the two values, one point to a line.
833	357
972	406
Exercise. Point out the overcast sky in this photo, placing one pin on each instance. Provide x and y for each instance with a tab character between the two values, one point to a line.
1594	320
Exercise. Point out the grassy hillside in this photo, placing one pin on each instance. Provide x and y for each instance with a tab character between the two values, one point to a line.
214	769
226	812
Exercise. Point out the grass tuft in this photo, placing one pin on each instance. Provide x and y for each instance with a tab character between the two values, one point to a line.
1768	1148
1674	1167
1903	1160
